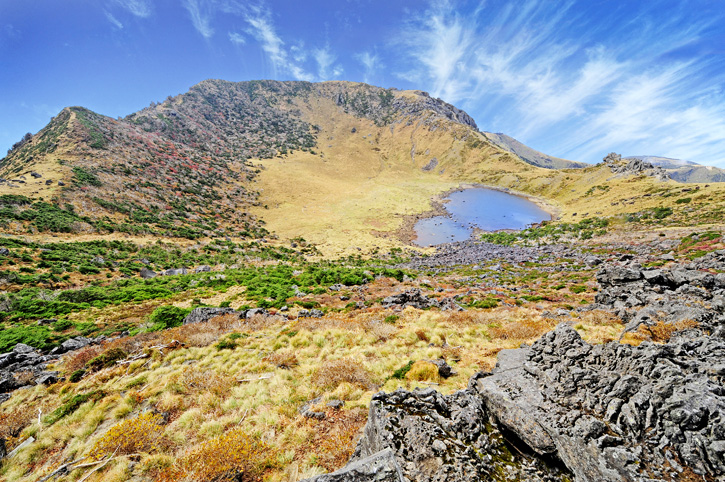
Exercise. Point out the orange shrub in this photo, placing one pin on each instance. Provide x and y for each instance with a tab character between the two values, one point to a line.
234	456
662	332
135	435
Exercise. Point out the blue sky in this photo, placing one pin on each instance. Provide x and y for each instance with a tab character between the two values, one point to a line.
574	79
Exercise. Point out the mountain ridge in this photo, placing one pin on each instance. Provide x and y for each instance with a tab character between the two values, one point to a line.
331	161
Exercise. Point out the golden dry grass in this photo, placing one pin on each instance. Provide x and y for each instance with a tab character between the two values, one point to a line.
258	387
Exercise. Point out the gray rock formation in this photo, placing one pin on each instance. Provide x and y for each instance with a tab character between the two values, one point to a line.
379	467
562	410
204	314
676	294
634	166
413	297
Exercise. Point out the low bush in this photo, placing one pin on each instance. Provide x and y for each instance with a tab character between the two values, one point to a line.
36	336
136	435
402	371
106	359
577	289
422	371
167	316
234	456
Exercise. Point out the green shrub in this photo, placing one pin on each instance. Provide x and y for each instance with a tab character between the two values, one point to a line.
106	359
36	336
227	343
484	303
76	376
62	325
72	405
391	319
684	200
88	269
83	177
577	289
661	213
402	371
167	316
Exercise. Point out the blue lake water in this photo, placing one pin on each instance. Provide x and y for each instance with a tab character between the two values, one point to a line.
481	208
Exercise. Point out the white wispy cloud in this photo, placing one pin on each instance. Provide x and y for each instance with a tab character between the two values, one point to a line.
371	64
139	8
264	31
572	85
326	67
441	42
201	13
116	23
236	38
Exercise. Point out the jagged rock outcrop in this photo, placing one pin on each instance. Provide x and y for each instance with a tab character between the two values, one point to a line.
206	313
572	410
24	366
680	293
413	297
634	166
379	467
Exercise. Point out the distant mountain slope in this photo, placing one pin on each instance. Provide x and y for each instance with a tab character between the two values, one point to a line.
530	155
664	162
341	164
685	171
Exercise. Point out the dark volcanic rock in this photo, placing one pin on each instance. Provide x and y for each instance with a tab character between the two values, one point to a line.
572	411
413	297
443	438
614	412
204	314
379	467
670	295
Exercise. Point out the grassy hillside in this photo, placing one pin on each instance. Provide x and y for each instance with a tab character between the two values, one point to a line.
294	199
328	162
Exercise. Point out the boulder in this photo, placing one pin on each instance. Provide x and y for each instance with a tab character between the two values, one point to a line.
146	273
204	314
378	467
202	269
314	313
413	297
47	378
572	411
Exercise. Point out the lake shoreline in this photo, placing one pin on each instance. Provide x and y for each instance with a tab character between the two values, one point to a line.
407	233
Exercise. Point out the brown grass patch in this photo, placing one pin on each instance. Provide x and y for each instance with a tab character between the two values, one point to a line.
332	373
662	332
519	329
282	359
192	380
13	422
336	437
77	361
422	335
